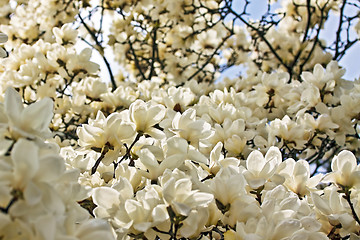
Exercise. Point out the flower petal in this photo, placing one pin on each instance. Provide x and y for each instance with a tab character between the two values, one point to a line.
25	159
255	161
38	115
106	197
13	104
3	37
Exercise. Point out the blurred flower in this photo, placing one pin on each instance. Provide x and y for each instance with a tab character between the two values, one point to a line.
94	229
32	121
3	39
65	35
33	167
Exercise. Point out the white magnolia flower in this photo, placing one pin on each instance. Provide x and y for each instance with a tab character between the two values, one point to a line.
334	210
289	132
232	199
266	229
178	98
229	128
178	149
181	197
106	135
128	214
260	169
297	177
109	200
146	116
152	167
223	187
81	62
123	96
195	222
193	130
32	167
65	35
32	121
345	172
217	160
147	210
153	163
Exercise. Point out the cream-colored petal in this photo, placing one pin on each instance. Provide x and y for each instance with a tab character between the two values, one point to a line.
106	197
255	161
38	115
13	105
273	154
26	160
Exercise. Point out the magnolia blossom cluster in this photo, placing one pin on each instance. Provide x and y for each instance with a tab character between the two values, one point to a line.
39	197
300	117
171	191
162	151
172	168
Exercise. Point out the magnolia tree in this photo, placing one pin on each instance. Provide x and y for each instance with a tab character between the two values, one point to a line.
153	145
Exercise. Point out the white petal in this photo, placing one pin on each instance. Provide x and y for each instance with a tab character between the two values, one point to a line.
106	197
202	198
32	193
38	115
347	161
4	220
273	154
46	227
25	159
320	204
93	131
51	199
197	156
256	182
148	159
172	162
155	133
310	224
155	114
3	53
176	145
124	187
3	37
94	229
215	154
255	161
135	210
142	227
5	145
13	104
51	167
125	131
286	228
181	208
159	213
